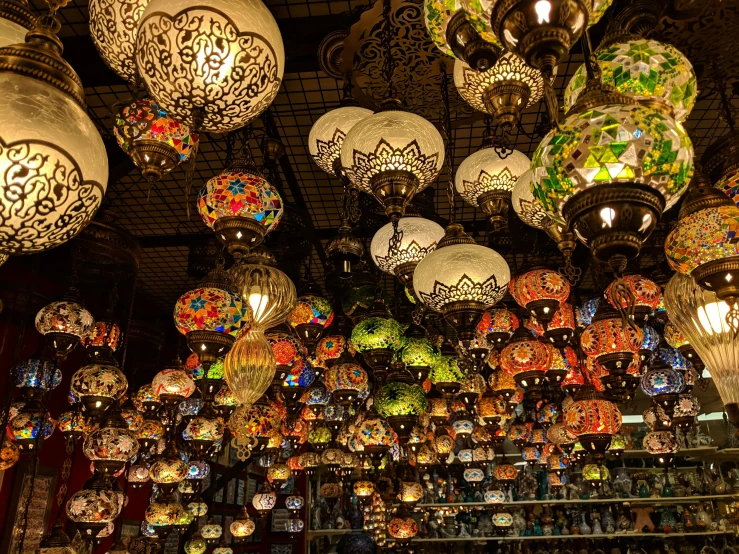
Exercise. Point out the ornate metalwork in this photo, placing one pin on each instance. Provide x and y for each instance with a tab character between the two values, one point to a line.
488	292
113	27
243	94
416	61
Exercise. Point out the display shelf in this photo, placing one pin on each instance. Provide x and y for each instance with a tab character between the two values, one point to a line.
566	537
327	533
695	453
634	500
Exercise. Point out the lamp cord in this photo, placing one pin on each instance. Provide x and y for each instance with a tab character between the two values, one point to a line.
387	33
446	125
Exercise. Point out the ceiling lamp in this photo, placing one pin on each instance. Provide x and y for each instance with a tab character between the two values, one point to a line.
497	325
703	245
685	411
486	178
561	328
249	367
43	109
654	73
399	252
593	420
461	279
29	425
609	343
113	29
393	155
94	506
210	91
418	355
376	436
457	34
97	386
401	401
345	250
345	381
649	344
541	292
526	359
269	295
310	316
240	205
173	385
209	314
646	294
502	91
446	376
16	19
377	339
543	31
663	385
610	170
328	133
155	142
675	338
243	526
64	323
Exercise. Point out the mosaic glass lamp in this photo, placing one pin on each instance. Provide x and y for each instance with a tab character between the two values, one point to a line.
593	420
243	526
97	386
541	292
418	355
310	316
646	295
65	323
377	339
526	359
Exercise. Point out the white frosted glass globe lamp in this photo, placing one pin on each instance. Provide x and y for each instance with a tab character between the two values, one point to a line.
486	179
213	66
461	279
16	19
392	155
418	237
328	133
113	29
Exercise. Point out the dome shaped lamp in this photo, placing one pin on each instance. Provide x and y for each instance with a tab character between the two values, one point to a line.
593	420
486	178
461	279
377	339
64	323
111	446
401	401
527	360
16	19
310	316
240	205
243	526
541	292
609	343
268	294
399	252
94	506
498	324
208	315
663	385
70	165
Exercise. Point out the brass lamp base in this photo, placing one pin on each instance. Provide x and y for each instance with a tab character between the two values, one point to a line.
505	100
464	316
496	204
209	345
154	159
468	45
239	234
719	276
394	189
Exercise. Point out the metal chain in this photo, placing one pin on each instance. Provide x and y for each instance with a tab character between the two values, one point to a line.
386	40
446	125
230	145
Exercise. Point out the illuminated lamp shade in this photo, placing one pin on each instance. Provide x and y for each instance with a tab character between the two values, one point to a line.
243	526
540	291
16	19
618	445
278	474
527	208
240	205
588	175
593	420
649	343
94	506
675	338
376	436
595	473
287	351
36	373
646	296
505	472
655	73
70	167
65	323
663	384
661	442
471	390
328	133
331	492
173	385
110	447
561	328
105	334
97	386
310	316
149	434
485	179
402	529
526	359
558	367
401	404
446	376
378	339
155	142
418	355
330	348
249	367
196	545
497	325
137	476
543	32
702	245
392	155
609	343
264	500
345	381
673	358
685	411
461	279
269	295
495	496
205	92
9	454
417	238
586	312
502	91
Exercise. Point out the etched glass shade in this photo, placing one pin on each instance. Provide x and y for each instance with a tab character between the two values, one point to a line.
94	506
392	141
220	62
249	367
58	161
328	133
461	272
268	293
615	143
646	70
701	237
486	171
418	238
110	444
472	85
113	27
64	316
527	208
173	382
245	194
701	317
209	309
15	22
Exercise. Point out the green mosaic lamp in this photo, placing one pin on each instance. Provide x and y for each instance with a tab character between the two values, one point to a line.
377	339
400	401
610	169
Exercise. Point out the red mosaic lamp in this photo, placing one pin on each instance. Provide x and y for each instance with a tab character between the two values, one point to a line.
646	296
560	330
593	419
497	325
526	359
540	291
609	342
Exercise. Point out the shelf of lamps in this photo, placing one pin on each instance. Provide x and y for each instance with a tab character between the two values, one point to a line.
635	500
565	537
683	453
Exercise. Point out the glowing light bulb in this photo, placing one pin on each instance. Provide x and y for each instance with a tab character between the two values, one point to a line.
258	302
543	9
607	214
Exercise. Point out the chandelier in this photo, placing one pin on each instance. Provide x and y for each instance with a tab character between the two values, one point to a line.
198	78
65	189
